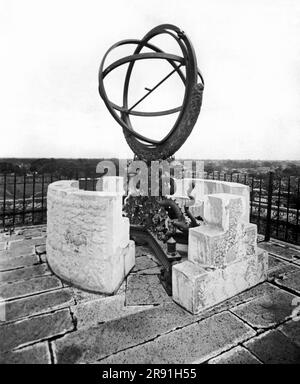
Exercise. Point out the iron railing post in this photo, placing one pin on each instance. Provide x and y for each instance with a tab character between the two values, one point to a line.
24	197
286	235
4	200
33	198
269	207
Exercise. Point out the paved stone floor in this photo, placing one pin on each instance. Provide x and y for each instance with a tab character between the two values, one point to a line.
44	320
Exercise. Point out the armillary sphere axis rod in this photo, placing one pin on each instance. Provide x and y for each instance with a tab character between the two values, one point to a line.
155	87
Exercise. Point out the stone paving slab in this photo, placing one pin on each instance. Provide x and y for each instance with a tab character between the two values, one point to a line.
283	252
290	281
91	313
23	273
18	262
273	347
122	288
30	330
142	250
282	270
33	232
13	245
193	344
266	311
29	287
143	262
291	329
21	251
237	355
36	354
285	244
151	271
98	342
145	290
83	296
275	264
37	304
243	297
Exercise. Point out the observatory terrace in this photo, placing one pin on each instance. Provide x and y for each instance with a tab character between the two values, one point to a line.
44	320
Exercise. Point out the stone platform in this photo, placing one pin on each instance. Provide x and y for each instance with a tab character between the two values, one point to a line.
45	320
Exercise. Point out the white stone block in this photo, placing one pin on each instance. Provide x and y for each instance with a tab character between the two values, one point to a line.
222	240
202	244
217	186
223	209
196	288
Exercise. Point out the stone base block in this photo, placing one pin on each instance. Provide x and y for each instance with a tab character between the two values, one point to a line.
196	288
102	278
211	246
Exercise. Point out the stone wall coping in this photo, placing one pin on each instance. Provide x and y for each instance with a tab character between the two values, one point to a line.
215	182
71	187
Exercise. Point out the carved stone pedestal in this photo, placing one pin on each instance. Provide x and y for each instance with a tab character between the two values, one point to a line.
222	255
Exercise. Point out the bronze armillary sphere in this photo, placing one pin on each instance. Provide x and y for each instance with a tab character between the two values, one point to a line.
146	148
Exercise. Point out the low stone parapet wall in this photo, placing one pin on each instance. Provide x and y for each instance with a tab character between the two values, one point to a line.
87	238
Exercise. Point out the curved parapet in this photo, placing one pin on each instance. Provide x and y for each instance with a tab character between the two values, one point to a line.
87	238
199	189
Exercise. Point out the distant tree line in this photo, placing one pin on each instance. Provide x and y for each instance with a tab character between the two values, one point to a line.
73	167
253	167
63	167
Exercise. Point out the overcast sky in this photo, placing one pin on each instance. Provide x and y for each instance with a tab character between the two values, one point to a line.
248	52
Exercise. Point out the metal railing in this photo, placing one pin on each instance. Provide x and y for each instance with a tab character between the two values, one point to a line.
275	202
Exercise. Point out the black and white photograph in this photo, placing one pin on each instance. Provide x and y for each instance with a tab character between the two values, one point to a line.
149	185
